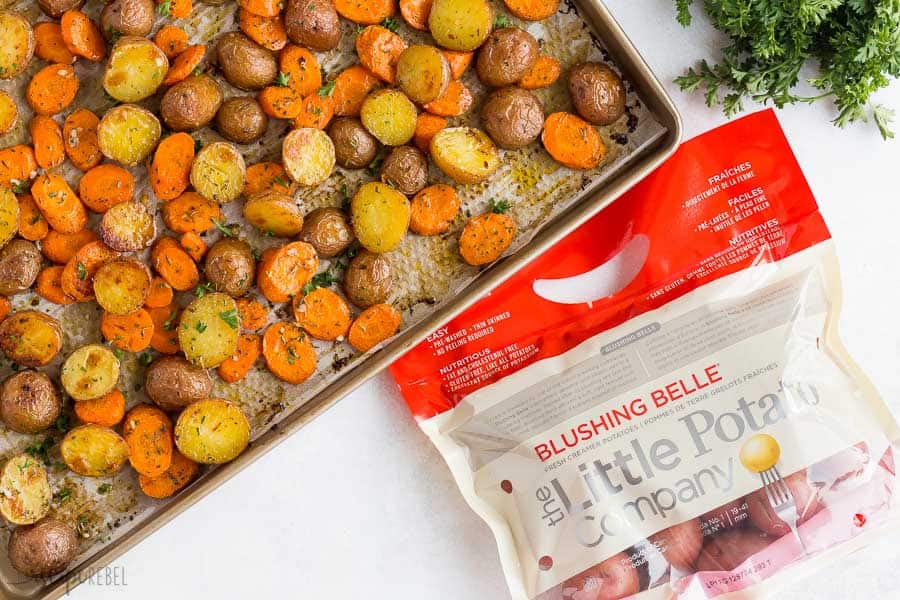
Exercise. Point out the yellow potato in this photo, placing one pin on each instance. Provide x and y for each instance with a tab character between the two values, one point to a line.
209	328
121	286
390	116
94	451
218	172
89	372
274	213
128	134
464	153
30	338
212	431
460	24
308	155
16	44
9	215
9	114
135	70
128	227
24	490
380	216
423	73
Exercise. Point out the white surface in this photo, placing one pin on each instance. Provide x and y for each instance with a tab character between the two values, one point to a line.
358	504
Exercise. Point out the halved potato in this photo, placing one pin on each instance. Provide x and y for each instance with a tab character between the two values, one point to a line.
30	338
128	227
208	333
9	114
128	134
423	73
461	25
390	116
9	215
94	451
464	153
212	431
24	490
218	172
16	44
380	216
121	286
308	155
135	70
89	372
274	213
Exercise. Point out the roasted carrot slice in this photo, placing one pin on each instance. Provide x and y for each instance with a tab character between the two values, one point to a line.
170	170
80	138
280	102
190	212
248	350
427	126
369	12
60	248
263	8
107	410
486	237
32	224
253	314
17	165
289	354
131	332
301	68
282	272
58	203
178	475
171	39
459	61
415	13
455	101
268	32
49	44
184	64
433	209
193	244
572	141
174	264
160	295
374	325
379	49
532	10
104	186
315	111
165	329
322	314
82	36
52	89
48	286
265	176
148	432
350	89
543	73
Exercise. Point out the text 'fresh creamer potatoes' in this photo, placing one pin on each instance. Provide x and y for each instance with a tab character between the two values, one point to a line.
659	406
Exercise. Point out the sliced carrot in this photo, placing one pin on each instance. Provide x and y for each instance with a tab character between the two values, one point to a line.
190	212
48	286
248	350
379	49
107	410
160	295
58	203
131	332
253	314
268	32
543	73
178	475
80	137
282	272
59	247
433	209
427	126
170	170
263	8
49	44
179	9
486	237
455	101
171	39
280	102
148	432
532	10
322	314
315	111
415	13
78	275
5	307
52	89
32	224
17	165
265	176
165	328
302	69
572	141
289	354
174	264
369	12
104	186
82	36
193	244
184	64
351	87
459	61
374	325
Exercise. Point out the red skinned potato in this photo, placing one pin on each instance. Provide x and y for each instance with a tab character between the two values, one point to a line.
729	515
612	579
680	544
727	550
806	498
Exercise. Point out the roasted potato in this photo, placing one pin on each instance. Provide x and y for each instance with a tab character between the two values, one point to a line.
460	24
597	93
230	266
9	215
245	64
423	73
380	216
128	134
9	113
173	383
218	172
313	23
274	213
122	285
506	56
727	550
16	44
94	451
328	231
209	328
466	154
680	544
513	117
89	372
405	169
307	155
20	263
29	401
127	227
127	18
390	116
191	103
241	120
614	578
368	279
55	8
30	338
354	146
212	431
135	69
43	549
24	490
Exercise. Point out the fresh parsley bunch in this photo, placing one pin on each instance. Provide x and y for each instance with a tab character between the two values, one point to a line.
854	43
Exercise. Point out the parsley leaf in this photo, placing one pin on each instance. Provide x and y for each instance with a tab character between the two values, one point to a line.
282	79
39	449
81	269
227	230
230	317
499	207
164	7
373	167
201	289
200	326
104	488
326	90
390	24
501	22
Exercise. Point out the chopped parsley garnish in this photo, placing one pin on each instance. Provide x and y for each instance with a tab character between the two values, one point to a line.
39	449
81	270
499	207
501	22
164	7
227	230
200	326
104	488
326	90
230	317
391	24
201	289
62	495
283	79
145	359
